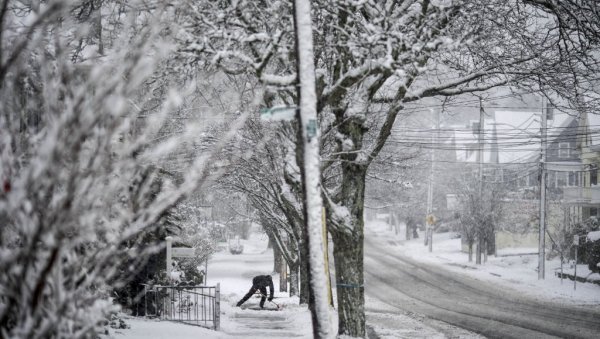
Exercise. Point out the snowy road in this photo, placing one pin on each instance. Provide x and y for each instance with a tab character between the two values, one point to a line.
438	295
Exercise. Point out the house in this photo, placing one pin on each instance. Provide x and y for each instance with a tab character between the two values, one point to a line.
583	199
512	145
511	151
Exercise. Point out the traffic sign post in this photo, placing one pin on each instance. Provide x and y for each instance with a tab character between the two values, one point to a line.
430	221
169	260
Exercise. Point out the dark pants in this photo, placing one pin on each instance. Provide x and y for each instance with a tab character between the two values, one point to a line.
263	291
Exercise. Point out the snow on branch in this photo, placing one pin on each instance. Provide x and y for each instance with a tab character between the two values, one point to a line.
82	185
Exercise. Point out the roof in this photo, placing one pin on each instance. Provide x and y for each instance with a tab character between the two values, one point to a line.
594	128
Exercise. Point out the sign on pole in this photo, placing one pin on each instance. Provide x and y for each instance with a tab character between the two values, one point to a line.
183	252
176	252
279	113
169	266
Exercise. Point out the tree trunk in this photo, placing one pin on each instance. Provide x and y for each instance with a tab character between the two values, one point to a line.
294	280
277	258
283	278
470	251
348	239
491	243
304	294
478	250
485	250
348	254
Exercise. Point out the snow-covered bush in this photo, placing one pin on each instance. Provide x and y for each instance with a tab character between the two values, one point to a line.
589	245
81	106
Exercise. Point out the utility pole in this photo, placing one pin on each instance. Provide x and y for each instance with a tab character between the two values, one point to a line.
308	146
430	220
427	239
542	230
480	160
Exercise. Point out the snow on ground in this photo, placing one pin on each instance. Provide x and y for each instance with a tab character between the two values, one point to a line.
514	268
234	273
389	322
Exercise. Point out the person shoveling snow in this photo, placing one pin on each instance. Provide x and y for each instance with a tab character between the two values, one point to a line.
260	283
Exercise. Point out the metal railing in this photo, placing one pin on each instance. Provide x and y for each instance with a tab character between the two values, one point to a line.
194	305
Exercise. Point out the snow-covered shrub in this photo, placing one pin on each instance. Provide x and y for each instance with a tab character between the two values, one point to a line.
588	251
80	115
593	254
190	267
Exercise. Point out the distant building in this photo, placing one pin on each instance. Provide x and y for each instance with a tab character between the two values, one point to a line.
511	150
584	198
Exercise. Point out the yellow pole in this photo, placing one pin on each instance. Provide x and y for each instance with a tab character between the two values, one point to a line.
326	253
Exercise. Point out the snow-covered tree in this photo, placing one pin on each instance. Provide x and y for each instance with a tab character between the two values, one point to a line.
271	181
80	158
373	59
481	210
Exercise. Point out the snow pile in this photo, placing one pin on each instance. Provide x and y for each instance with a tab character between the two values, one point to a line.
593	236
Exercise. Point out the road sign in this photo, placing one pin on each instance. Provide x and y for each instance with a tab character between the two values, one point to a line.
183	252
279	113
311	128
430	219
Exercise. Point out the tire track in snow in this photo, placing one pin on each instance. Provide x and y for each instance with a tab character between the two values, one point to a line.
468	303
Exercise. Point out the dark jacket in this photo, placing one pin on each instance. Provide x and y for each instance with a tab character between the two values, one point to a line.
262	281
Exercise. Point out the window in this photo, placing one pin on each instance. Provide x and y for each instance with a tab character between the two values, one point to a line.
561	179
563	150
551	179
573	179
593	175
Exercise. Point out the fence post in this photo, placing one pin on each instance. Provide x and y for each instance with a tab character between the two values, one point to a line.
169	267
217	315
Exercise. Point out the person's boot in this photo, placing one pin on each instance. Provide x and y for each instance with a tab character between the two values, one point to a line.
238	304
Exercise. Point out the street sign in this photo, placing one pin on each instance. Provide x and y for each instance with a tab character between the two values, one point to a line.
311	128
183	252
430	219
279	113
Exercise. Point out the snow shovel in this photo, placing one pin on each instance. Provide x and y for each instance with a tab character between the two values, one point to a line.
279	307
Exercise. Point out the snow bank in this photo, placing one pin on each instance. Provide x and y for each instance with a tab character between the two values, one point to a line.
593	236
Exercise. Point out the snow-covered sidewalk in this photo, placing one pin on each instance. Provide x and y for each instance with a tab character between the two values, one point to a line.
234	273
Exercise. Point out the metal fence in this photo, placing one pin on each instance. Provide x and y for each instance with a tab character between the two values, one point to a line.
194	305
